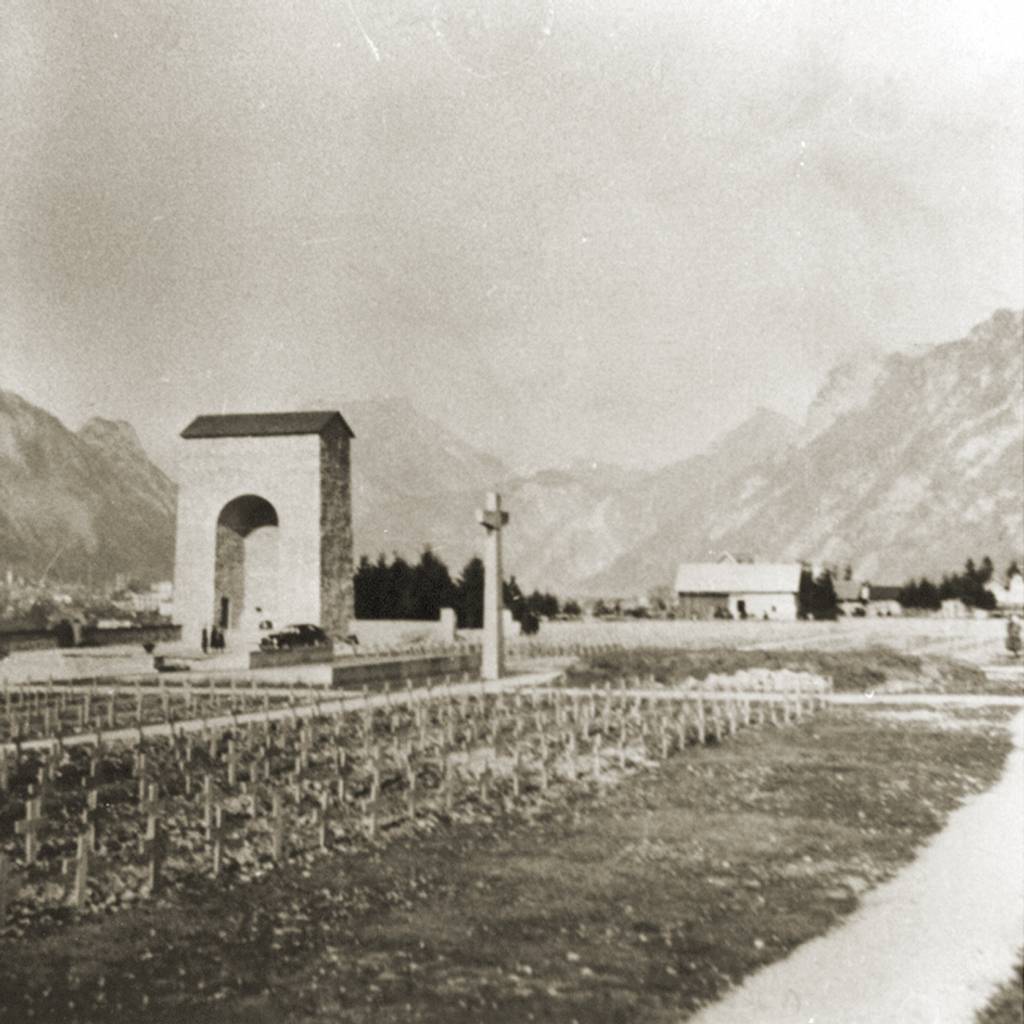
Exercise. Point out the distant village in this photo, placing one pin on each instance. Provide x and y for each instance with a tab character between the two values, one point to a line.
34	604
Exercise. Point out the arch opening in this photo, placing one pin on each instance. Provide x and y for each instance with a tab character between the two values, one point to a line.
246	564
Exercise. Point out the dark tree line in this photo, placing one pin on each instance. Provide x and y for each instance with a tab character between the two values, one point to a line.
817	596
968	586
401	590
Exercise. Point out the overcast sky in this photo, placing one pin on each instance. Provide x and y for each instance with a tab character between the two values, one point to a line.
570	228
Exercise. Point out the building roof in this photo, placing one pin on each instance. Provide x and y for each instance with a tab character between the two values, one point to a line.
880	592
1009	596
738	578
264	424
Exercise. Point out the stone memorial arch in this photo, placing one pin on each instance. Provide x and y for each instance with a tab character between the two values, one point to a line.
264	524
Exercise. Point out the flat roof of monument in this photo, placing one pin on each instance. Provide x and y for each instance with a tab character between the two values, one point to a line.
264	424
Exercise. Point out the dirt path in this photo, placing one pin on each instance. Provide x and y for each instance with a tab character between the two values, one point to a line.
928	947
968	700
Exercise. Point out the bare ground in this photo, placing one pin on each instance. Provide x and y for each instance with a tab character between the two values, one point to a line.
646	903
875	669
928	946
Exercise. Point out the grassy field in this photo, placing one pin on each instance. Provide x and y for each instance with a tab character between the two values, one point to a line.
643	903
977	641
878	669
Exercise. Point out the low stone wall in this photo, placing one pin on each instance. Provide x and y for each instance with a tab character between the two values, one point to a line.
296	656
403	632
93	636
354	673
28	639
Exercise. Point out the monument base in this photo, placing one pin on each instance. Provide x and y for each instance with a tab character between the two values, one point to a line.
354	673
296	656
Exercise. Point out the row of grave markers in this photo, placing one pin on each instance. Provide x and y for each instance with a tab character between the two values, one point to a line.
96	711
27	713
573	714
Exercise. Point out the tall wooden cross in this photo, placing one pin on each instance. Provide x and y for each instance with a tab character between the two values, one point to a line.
492	519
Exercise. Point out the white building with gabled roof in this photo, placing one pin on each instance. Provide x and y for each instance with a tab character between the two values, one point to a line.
738	590
1009	595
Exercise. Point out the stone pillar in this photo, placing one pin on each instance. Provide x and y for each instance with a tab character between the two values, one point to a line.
492	519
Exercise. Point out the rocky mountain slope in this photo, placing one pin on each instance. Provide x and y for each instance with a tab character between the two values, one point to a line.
912	467
74	504
906	463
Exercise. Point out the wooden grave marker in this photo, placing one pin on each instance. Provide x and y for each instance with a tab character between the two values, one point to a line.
153	843
209	804
323	810
373	806
486	782
278	828
92	813
595	763
30	827
231	760
84	863
11	881
217	836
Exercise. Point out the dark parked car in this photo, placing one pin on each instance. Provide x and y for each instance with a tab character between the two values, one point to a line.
301	635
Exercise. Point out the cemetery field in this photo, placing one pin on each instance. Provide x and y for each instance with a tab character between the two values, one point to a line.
642	898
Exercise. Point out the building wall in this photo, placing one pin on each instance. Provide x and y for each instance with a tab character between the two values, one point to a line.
884	609
704	606
213	471
1011	596
759	606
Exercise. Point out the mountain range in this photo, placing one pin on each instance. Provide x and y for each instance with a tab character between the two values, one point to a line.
905	463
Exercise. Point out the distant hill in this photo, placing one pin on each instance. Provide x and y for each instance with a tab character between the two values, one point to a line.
905	463
71	504
414	482
577	528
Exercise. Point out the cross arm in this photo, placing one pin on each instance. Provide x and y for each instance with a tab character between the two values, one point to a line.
491	519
